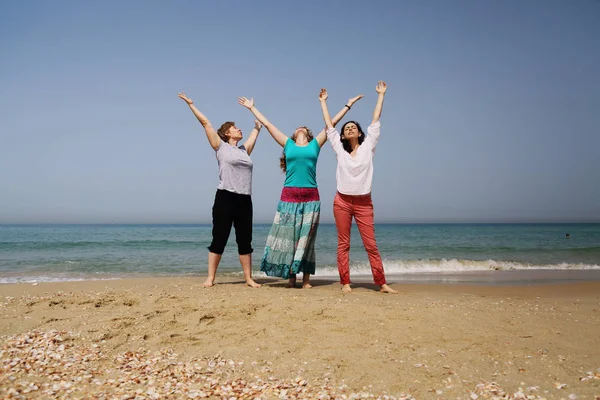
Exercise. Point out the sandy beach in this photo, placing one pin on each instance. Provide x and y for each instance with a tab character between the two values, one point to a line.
170	338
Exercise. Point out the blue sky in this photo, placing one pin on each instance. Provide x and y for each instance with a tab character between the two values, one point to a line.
492	111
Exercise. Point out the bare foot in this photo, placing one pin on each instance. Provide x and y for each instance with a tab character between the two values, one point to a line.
387	289
209	283
346	288
291	282
306	281
251	283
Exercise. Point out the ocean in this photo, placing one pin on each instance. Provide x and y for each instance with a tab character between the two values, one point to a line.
447	253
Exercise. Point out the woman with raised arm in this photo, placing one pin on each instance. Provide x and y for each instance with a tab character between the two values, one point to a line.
290	247
233	201
354	175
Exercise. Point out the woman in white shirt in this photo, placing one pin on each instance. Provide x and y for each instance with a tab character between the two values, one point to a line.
354	176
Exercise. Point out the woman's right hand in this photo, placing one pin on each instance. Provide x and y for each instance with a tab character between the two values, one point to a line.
381	87
248	103
183	97
323	95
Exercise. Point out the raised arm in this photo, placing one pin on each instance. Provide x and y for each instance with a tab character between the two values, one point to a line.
251	141
381	88
211	134
326	117
322	136
276	133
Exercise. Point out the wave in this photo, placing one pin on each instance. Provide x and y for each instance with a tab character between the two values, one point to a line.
451	266
43	278
86	244
392	267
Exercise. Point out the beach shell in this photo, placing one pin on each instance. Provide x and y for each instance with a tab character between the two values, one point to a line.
558	385
70	367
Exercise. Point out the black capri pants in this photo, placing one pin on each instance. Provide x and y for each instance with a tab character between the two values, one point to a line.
231	208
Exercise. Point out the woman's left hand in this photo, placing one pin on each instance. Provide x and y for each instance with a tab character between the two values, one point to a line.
355	99
257	125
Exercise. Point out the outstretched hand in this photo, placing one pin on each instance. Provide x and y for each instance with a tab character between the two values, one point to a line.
381	87
183	97
248	103
355	99
257	125
323	94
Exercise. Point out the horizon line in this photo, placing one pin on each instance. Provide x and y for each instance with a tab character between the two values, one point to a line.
491	222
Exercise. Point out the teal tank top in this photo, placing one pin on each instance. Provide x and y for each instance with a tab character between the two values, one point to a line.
301	164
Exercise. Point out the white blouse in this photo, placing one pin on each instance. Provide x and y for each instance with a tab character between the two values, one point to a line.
354	175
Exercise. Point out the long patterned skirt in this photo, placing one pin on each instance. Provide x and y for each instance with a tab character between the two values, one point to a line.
290	247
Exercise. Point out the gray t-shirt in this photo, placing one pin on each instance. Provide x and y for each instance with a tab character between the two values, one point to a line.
235	169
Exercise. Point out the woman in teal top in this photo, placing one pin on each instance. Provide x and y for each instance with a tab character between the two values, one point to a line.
299	163
290	246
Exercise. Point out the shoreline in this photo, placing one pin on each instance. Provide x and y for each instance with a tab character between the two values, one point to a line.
325	286
484	278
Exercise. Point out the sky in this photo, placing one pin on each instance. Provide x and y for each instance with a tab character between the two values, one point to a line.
492	112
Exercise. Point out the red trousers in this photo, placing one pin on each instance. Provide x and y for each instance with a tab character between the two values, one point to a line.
361	208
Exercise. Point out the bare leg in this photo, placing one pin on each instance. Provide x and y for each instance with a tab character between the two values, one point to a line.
246	261
346	288
213	263
292	281
306	281
386	289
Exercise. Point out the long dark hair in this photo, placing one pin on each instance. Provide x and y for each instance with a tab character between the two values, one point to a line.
282	161
345	142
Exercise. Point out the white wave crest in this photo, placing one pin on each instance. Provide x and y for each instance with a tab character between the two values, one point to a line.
39	279
450	266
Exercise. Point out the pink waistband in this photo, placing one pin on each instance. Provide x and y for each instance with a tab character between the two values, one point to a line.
355	196
299	195
355	199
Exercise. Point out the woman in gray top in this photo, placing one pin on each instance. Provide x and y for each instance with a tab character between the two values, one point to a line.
233	201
